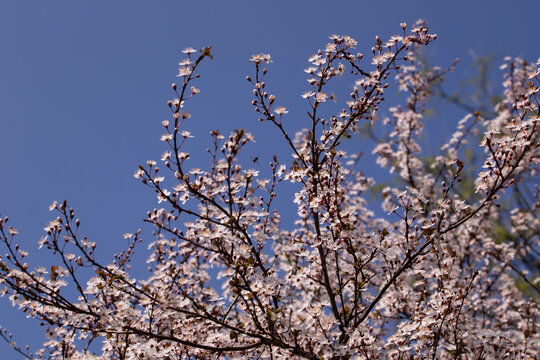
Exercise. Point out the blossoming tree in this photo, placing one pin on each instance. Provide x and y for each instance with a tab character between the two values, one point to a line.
426	280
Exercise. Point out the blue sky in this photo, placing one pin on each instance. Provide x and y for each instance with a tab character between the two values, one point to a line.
84	86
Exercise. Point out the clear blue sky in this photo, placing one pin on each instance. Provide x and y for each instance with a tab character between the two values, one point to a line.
84	85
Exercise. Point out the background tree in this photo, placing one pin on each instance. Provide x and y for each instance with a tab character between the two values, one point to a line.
426	280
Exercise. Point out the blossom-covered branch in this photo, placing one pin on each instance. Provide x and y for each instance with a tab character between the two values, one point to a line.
422	275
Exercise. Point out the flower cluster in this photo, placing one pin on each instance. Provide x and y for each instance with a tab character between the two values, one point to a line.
442	274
